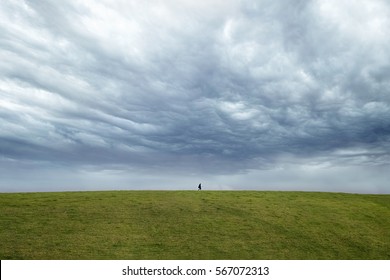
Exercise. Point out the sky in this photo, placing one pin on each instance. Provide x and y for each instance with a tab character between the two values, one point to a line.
253	95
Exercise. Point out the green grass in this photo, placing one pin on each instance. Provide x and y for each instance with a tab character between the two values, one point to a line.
194	225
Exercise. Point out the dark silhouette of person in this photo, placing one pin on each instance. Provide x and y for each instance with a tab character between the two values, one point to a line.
199	187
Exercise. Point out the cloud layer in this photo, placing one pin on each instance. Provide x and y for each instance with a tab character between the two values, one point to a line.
206	88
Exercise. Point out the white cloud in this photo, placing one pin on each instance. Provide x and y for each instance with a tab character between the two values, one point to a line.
195	87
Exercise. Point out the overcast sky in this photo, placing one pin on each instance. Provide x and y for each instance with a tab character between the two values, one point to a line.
267	95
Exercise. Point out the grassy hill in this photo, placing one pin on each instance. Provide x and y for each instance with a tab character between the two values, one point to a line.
194	225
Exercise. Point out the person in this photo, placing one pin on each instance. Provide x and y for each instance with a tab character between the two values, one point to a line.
199	187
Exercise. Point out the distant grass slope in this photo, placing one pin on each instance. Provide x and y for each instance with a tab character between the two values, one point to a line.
194	225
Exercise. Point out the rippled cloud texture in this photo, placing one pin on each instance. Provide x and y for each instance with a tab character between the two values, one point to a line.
291	95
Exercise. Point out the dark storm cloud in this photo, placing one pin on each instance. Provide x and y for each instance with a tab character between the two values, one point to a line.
217	87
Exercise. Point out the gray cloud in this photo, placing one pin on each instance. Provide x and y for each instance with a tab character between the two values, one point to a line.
196	90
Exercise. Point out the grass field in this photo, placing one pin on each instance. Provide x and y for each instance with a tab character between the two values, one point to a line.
194	225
